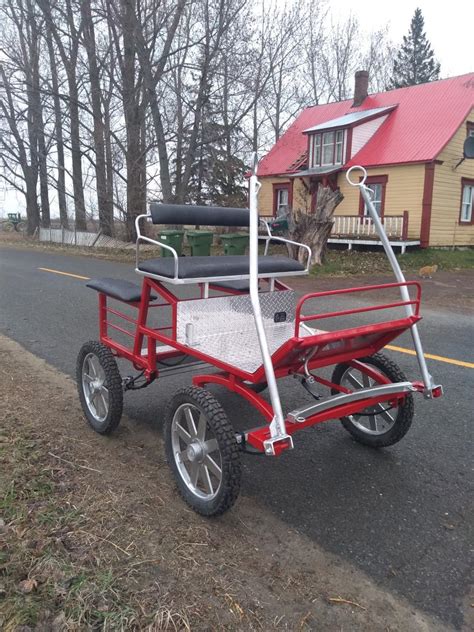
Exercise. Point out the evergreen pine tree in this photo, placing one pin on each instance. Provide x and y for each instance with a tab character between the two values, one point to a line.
415	62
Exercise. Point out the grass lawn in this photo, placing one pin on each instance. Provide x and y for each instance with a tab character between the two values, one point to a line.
348	262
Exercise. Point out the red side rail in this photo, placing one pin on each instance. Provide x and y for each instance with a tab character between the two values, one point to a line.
300	318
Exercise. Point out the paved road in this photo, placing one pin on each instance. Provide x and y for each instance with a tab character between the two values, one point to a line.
401	514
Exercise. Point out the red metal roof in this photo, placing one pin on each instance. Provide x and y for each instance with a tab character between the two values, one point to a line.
426	118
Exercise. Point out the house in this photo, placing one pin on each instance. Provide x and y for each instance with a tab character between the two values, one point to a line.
410	140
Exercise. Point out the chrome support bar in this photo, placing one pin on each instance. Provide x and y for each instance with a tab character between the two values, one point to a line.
148	240
366	193
277	426
302	414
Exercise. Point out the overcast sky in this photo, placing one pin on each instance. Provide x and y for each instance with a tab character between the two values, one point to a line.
448	25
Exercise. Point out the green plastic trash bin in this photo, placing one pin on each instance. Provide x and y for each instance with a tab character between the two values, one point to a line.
235	243
278	226
173	238
200	242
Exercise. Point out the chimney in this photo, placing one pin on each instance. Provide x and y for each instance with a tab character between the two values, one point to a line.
361	87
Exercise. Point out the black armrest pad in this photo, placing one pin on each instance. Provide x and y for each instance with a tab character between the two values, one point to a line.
117	288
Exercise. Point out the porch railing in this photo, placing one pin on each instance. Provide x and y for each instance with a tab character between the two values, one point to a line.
359	227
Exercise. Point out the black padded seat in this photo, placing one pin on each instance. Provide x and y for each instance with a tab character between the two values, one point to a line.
205	267
117	288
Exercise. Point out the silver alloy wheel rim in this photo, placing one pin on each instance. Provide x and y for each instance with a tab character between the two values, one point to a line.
196	452
375	419
95	392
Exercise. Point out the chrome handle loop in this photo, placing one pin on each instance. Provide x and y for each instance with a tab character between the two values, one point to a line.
364	177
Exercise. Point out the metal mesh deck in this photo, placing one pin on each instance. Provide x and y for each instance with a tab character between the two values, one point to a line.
224	327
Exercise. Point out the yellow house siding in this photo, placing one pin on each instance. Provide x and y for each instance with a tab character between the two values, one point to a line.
301	199
445	228
404	192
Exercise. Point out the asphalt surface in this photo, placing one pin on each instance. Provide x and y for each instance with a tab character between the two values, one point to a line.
401	514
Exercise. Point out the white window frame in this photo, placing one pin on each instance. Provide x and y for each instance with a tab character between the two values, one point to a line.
280	204
315	149
467	201
339	142
377	202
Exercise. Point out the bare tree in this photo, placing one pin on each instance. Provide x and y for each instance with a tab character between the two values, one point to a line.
105	204
66	29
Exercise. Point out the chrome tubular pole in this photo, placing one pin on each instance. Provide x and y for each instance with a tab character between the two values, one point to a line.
277	426
366	196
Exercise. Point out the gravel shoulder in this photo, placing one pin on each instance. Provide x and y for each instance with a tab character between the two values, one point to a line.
94	536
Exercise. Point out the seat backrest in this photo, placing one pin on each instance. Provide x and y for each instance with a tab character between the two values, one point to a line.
182	214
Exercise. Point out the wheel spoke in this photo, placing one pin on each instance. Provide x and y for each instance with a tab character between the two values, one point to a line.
201	429
191	423
102	405
182	433
373	422
354	381
94	366
105	402
88	378
212	465
194	473
211	445
385	414
95	399
206	479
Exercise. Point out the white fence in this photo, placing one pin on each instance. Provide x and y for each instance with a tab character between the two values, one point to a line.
80	238
363	227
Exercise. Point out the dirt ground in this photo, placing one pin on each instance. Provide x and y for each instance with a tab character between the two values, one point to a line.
94	536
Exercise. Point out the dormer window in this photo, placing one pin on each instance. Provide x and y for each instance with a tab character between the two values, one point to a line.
326	148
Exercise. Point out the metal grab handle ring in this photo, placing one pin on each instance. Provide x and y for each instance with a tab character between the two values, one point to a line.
364	177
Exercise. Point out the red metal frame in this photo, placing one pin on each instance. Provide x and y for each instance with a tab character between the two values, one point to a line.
323	348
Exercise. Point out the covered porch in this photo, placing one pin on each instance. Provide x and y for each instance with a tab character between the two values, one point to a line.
354	229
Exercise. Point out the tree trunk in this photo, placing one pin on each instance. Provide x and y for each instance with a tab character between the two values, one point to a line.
131	109
76	152
104	204
38	122
58	130
109	164
32	209
313	229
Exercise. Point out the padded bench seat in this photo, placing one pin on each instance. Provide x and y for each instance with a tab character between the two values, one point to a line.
205	267
118	288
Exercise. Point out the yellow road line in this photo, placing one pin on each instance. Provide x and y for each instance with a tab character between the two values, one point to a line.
430	356
74	276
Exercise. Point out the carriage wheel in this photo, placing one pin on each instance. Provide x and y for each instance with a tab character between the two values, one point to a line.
100	387
202	451
383	424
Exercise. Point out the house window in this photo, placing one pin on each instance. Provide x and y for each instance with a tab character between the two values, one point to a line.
338	149
317	149
467	201
281	199
377	184
327	148
470	128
